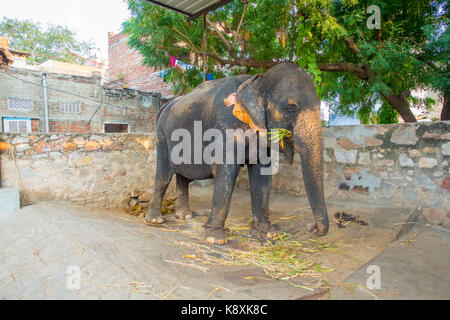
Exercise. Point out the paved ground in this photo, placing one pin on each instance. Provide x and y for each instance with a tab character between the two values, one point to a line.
119	257
416	267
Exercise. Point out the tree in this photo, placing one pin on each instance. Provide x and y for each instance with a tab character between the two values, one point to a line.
54	42
436	56
354	66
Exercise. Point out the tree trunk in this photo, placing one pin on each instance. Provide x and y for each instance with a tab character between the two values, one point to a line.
445	114
400	104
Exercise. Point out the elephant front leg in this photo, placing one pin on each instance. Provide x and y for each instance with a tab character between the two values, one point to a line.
182	210
224	181
260	186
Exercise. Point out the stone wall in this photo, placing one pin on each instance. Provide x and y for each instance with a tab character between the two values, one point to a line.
103	170
401	165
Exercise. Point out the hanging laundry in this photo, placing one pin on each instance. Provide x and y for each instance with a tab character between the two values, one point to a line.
172	61
209	76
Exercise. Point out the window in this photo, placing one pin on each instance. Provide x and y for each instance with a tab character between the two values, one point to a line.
69	107
116	128
147	101
17	125
116	111
20	104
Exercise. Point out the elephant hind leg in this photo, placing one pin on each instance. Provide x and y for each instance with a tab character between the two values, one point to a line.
164	173
182	210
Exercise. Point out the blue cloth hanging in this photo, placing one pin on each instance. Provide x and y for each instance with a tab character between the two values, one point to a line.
209	76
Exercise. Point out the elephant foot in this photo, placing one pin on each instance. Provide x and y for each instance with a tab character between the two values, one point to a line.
151	219
264	231
215	236
184	214
318	229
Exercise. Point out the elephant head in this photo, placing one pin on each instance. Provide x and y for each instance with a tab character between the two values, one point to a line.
285	97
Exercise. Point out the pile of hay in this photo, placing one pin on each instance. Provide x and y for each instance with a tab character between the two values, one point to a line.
167	207
284	259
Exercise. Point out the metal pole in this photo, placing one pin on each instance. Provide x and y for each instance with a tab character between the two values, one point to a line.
204	47
45	100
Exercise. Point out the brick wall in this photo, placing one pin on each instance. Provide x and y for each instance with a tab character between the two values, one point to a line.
87	99
34	125
126	62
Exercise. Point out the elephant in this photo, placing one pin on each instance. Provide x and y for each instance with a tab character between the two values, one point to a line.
283	97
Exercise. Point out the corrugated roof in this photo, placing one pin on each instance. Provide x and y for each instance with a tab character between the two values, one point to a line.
190	8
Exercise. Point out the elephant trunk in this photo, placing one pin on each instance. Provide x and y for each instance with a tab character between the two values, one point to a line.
307	136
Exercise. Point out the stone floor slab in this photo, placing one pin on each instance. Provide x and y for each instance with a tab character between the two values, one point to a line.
119	257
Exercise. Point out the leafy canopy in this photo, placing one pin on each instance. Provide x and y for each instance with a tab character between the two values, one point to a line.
355	68
54	42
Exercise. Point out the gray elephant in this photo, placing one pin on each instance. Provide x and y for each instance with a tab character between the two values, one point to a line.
284	97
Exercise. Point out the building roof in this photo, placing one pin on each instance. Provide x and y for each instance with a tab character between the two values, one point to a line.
190	8
7	54
53	66
6	57
19	53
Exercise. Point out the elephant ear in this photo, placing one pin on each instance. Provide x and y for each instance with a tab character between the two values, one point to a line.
249	103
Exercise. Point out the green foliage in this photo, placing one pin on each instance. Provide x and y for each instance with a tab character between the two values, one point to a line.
183	81
396	55
410	50
436	55
53	42
386	114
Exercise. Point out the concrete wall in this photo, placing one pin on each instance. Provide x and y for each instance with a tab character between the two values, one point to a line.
403	165
136	108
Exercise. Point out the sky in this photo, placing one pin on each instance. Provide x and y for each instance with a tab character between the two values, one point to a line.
90	19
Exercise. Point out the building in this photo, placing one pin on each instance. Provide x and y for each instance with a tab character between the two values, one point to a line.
72	95
53	66
126	69
75	104
9	56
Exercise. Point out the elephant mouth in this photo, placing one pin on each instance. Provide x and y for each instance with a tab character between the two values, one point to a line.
279	135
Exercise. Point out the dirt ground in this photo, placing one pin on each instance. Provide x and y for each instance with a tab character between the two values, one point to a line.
119	257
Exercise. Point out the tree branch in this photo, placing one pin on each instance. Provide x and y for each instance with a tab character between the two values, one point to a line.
221	36
191	45
243	62
239	26
400	103
352	45
361	71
